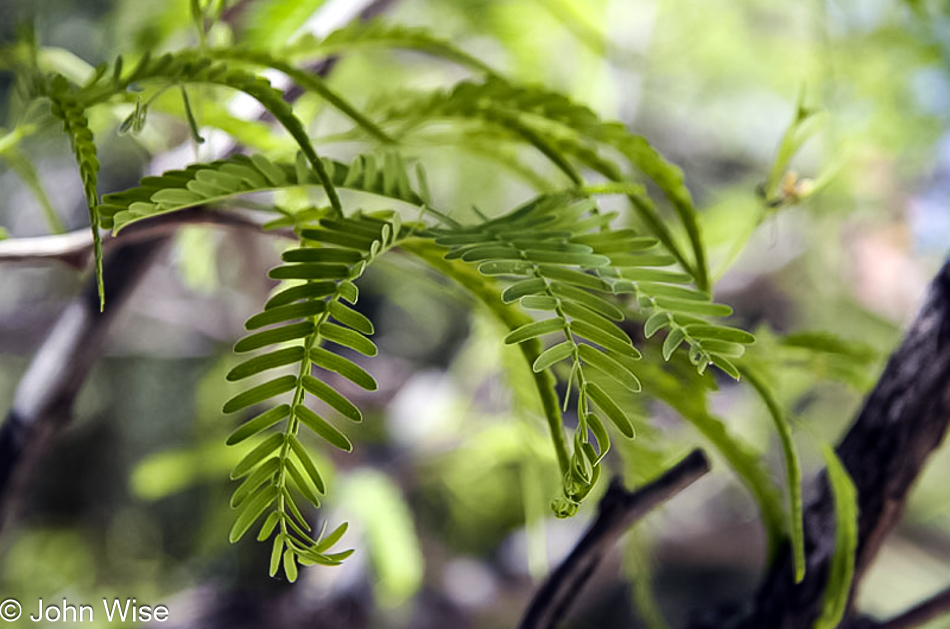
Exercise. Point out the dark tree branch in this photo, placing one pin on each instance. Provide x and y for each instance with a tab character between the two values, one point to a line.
45	396
616	513
903	421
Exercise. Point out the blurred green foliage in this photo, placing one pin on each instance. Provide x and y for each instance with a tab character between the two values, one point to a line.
452	458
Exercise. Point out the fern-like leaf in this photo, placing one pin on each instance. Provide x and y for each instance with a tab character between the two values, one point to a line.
534	245
308	80
300	318
562	257
559	127
377	34
69	108
212	182
195	67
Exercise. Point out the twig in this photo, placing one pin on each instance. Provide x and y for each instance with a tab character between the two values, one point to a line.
617	511
75	248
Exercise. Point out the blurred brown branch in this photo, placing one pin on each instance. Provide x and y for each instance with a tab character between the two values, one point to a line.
75	248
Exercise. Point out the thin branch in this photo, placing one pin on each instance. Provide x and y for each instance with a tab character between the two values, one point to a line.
617	512
75	248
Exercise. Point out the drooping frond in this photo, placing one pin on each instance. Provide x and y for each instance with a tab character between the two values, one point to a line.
308	80
69	108
562	258
291	331
194	67
211	182
378	34
793	471
561	128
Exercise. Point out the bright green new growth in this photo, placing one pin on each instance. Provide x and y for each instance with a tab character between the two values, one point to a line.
218	181
299	319
562	257
571	283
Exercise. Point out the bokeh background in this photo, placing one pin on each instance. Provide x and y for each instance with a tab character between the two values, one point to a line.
448	487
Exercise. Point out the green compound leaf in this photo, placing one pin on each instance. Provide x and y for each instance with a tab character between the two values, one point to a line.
175	190
66	105
280	461
377	34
